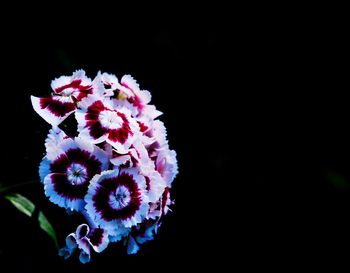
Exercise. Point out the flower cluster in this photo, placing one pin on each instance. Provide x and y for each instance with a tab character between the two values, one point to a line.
116	171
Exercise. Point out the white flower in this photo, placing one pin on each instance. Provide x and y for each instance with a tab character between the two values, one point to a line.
117	199
99	121
70	167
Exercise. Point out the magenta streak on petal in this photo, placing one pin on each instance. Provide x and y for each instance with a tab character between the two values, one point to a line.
96	236
57	108
143	127
107	187
127	86
161	166
96	129
74	84
165	197
148	183
133	159
83	90
120	135
135	101
95	109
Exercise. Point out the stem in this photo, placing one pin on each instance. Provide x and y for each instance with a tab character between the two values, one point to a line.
5	189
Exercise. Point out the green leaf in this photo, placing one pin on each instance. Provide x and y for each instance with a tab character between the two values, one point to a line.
21	203
47	227
27	207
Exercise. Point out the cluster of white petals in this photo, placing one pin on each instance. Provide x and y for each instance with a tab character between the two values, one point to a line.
116	171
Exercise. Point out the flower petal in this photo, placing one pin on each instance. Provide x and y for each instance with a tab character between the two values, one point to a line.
53	142
148	234
151	112
77	85
167	165
140	97
121	160
98	239
84	257
119	233
156	186
53	109
81	232
132	247
71	245
44	169
165	202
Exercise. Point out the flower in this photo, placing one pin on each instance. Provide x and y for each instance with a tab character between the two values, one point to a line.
117	198
99	121
68	90
116	170
83	239
67	171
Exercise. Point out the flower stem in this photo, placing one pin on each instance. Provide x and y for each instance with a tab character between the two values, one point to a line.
19	185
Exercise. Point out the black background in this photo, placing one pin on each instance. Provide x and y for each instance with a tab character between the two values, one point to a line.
255	106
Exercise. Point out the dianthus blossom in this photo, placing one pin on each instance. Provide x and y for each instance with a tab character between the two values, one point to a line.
116	171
